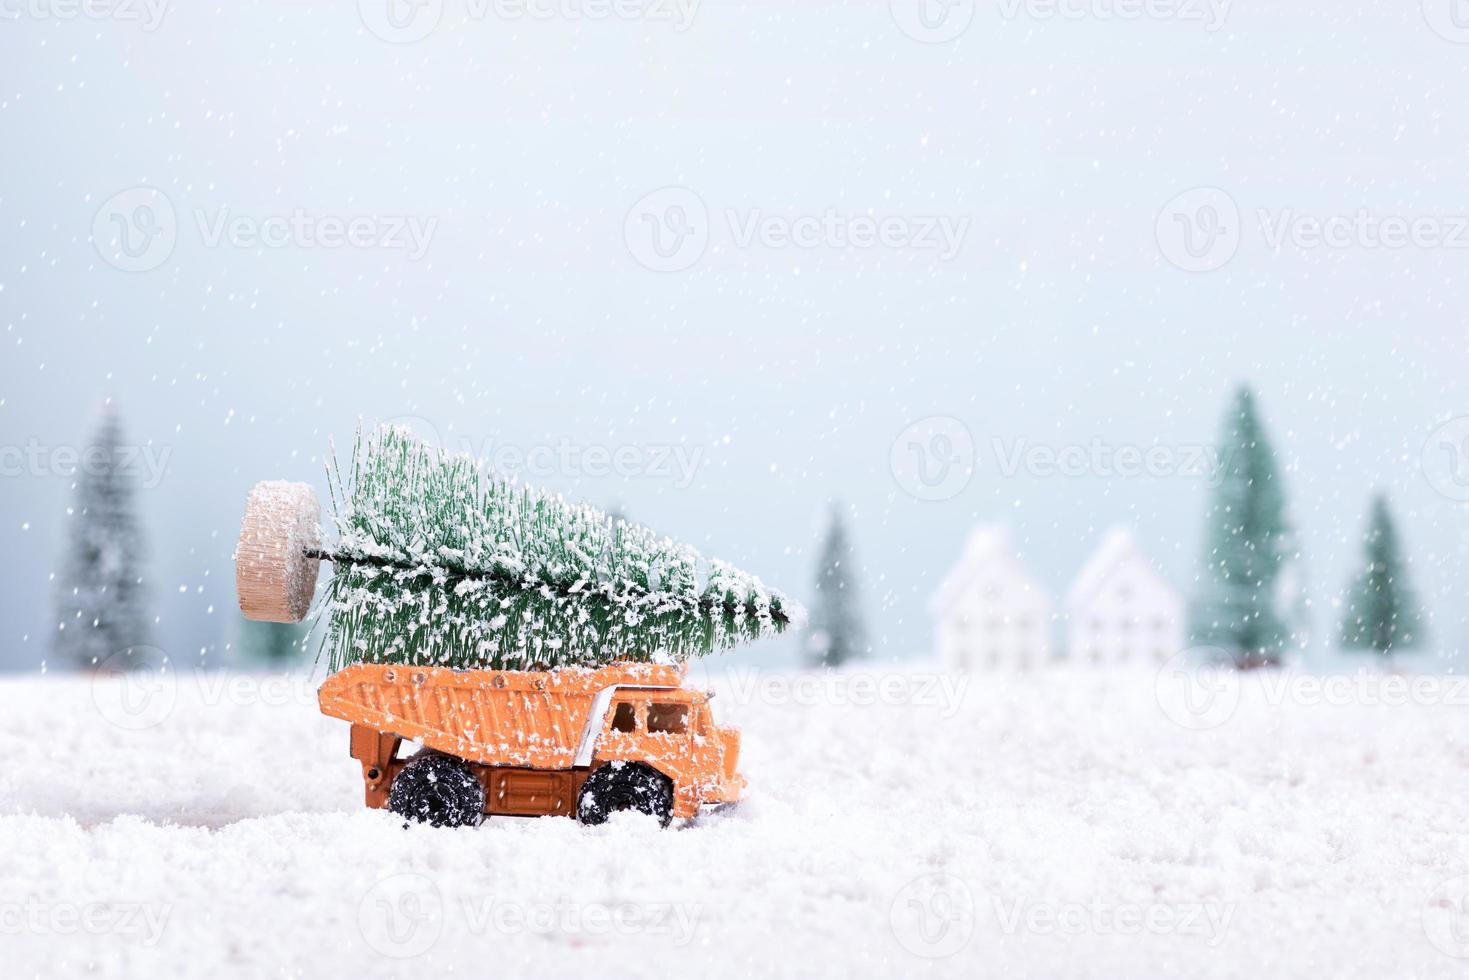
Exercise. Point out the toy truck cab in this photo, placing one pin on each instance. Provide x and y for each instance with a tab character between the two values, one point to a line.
673	732
575	742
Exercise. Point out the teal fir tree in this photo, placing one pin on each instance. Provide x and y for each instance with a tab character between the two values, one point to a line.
101	599
1240	606
836	634
1382	613
273	645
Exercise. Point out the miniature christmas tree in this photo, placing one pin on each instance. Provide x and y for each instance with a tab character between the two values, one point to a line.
836	635
101	598
440	563
1382	612
1250	542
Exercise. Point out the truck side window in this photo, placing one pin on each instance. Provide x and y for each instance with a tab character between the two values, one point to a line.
624	719
672	718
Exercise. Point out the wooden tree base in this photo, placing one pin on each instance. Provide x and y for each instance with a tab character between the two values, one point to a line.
275	576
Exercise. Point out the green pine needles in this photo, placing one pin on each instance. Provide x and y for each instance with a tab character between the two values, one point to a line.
1382	611
1251	544
441	563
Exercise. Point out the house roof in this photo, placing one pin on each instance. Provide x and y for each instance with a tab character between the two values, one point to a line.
986	545
1118	545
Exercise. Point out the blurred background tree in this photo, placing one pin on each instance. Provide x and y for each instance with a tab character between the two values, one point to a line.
837	634
1240	606
101	606
275	646
1382	612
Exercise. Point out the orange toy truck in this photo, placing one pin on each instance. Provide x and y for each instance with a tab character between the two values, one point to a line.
575	741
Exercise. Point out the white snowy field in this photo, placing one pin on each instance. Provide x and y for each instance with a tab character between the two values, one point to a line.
1059	825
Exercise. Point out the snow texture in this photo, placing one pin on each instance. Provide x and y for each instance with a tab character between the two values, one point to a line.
214	828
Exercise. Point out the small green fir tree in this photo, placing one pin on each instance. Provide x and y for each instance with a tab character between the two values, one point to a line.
101	599
1382	612
1239	607
836	635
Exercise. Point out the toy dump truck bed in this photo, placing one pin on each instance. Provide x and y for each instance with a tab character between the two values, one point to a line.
577	741
531	719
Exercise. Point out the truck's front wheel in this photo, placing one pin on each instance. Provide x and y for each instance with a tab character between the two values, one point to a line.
616	786
438	790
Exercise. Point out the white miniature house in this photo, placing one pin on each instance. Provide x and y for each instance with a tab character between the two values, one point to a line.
991	614
1120	609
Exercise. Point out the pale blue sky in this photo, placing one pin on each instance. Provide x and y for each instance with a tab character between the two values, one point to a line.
529	320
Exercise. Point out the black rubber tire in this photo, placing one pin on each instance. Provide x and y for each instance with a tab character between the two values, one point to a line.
438	790
617	786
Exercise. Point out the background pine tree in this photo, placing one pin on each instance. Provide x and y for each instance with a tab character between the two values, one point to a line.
1382	612
101	600
1239	607
836	635
273	645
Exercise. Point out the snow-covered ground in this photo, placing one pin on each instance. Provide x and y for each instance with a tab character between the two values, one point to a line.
1063	824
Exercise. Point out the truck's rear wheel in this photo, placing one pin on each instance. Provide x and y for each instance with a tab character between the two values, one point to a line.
438	790
616	786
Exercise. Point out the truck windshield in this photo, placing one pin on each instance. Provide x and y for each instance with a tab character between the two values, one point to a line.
624	719
673	718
